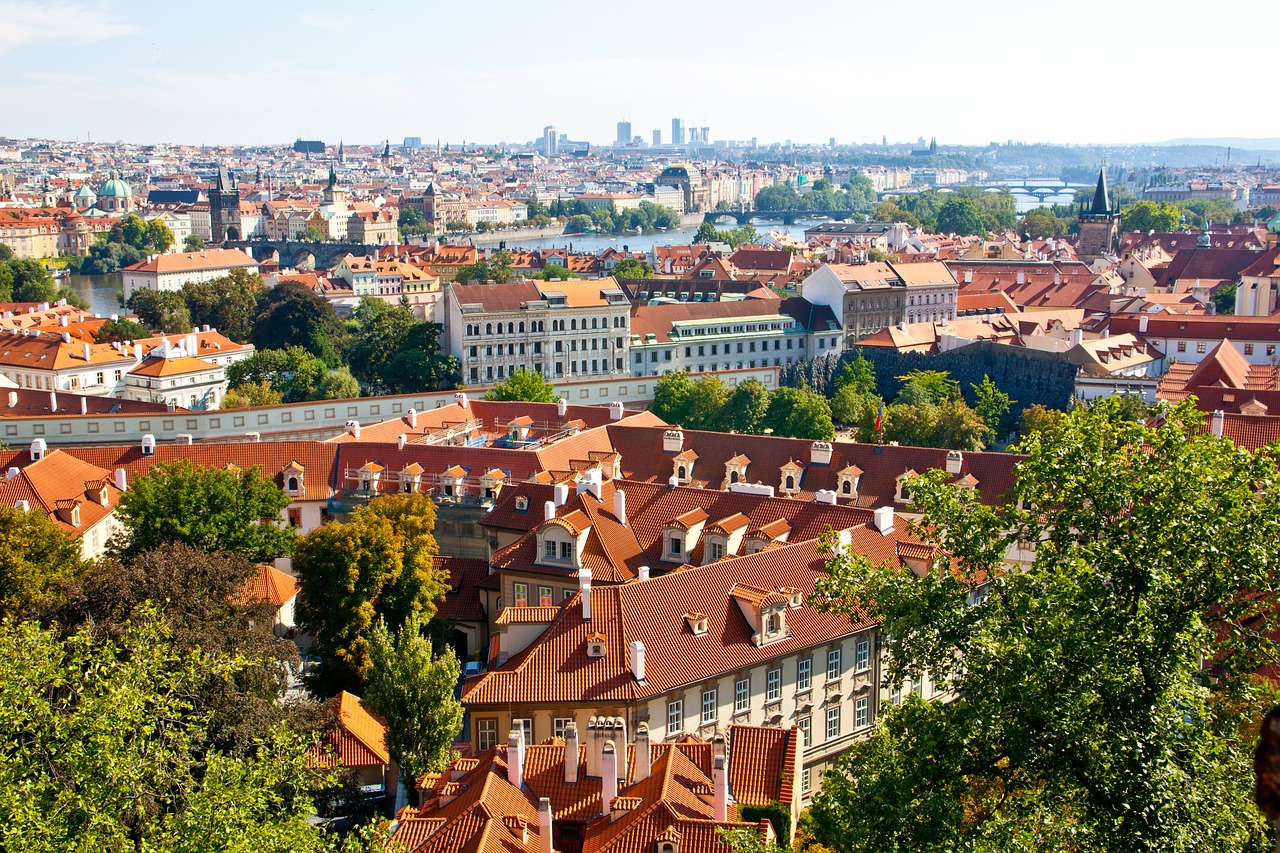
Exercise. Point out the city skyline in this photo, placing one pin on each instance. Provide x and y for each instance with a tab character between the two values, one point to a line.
266	74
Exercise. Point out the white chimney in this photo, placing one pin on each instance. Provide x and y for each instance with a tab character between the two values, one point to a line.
825	496
352	428
608	777
642	574
571	754
620	506
460	398
544	826
148	445
400	441
53	402
615	411
721	786
85	351
644	754
954	461
23	505
122	479
515	758
1142	324
183	438
1075	337
253	437
561	494
672	441
412	418
1219	418
84	405
562	406
13	399
11	473
884	520
968	276
637	660
820	453
38	449
584	585
548	510
1022	277
591	481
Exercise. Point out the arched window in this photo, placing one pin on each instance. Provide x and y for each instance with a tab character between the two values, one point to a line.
733	476
775	622
681	473
293	484
488	328
791	482
511	327
573	324
593	323
847	488
521	326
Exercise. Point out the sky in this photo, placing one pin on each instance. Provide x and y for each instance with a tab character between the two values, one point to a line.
268	72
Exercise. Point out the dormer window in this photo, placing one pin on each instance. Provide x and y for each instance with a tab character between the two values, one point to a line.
773	624
292	485
735	470
791	474
522	504
697	623
596	647
904	491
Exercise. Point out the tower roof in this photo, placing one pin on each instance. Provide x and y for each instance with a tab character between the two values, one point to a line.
1101	201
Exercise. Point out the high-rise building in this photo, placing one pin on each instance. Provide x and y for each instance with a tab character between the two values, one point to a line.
550	141
412	143
657	138
677	131
624	132
706	135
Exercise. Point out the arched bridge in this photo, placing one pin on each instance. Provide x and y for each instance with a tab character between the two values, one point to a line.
301	254
788	217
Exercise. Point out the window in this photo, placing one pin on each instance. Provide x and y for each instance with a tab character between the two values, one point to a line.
862	712
717	549
1248	349
1201	346
1182	346
806	729
742	695
773	685
804	673
676	544
675	717
486	734
549	549
544	596
833	722
566	551
806	783
525	725
522	595
560	725
833	664
709	706
295	517
895	695
1271	349
774	624
862	656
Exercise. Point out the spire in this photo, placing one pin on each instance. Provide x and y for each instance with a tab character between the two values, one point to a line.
333	178
386	150
342	157
1101	201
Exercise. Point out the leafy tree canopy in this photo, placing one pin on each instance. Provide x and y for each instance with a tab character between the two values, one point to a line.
799	413
162	310
523	384
121	330
632	268
36	560
226	303
291	314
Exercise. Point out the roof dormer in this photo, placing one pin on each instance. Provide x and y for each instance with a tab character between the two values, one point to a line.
453	485
696	623
682	466
562	540
775	531
294	476
367	477
847	480
597	647
723	538
902	494
1253	407
792	473
518	429
491	482
410	477
680	535
765	610
735	470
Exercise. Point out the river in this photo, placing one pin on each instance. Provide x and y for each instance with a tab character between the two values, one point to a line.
102	291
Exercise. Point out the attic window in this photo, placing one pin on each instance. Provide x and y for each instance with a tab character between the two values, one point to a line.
697	623
596	647
522	504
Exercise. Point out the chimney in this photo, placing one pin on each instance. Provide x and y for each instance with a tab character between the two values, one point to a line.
66	336
148	445
562	406
954	461
23	505
721	789
352	428
571	754
637	660
122	479
825	496
38	449
183	438
84	405
1142	324
85	352
620	506
672	441
544	826
548	510
820	453
400	441
53	402
515	758
1075	337
595	741
644	756
615	411
883	517
642	573
460	398
13	399
968	276
608	776
412	418
12	472
1219	418
1022	277
561	494
584	584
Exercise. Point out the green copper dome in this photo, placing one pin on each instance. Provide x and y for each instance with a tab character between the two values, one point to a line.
113	187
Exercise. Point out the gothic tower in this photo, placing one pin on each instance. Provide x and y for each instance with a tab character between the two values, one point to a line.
224	210
1099	224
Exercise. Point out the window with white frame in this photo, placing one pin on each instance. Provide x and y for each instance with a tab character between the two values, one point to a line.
675	717
544	596
709	705
521	595
862	656
742	694
525	725
549	549
895	694
804	673
833	664
806	729
560	725
773	685
833	722
862	712
486	734
806	783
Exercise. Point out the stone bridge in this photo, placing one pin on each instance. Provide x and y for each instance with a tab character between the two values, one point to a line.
788	217
301	254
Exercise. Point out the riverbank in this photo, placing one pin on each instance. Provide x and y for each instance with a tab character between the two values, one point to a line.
509	235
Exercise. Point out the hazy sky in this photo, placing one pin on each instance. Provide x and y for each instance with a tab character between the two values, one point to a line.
491	70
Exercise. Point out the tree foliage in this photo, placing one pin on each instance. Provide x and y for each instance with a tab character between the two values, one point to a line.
799	413
1161	217
412	687
632	268
213	509
293	372
379	563
226	303
37	559
389	349
162	310
1083	719
291	314
28	281
523	384
121	330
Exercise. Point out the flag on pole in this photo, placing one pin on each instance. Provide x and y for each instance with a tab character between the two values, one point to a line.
879	417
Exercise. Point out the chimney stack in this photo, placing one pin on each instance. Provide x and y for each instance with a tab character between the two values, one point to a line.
461	399
401	440
620	506
721	789
1219	419
608	776
562	406
548	510
1142	324
84	405
637	660
571	754
85	352
884	520
561	494
13	399
644	755
38	448
642	573
53	402
584	584
122	479
544	826
412	418
515	758
615	411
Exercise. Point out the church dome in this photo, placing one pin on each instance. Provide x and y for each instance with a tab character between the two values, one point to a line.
113	187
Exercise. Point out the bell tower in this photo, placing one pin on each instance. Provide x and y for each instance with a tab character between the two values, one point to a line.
224	209
1099	224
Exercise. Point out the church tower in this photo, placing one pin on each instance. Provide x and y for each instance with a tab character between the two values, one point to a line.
335	195
224	209
1099	224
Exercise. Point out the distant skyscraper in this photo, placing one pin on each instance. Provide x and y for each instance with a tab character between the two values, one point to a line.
412	142
706	135
657	138
677	131
550	141
624	132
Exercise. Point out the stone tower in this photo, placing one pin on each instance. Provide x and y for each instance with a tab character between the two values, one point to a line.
224	210
1099	224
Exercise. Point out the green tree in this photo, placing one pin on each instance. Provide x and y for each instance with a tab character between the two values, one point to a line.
295	373
859	374
887	211
73	297
747	407
706	233
213	509
378	564
376	333
37	559
800	413
1084	718
159	236
252	394
192	243
291	314
412	687
991	403
851	407
709	405
911	424
631	268
1038	418
162	310
226	303
1041	223
961	428
1224	299
31	281
6	254
1150	216
312	234
555	271
523	384
672	396
103	748
927	386
121	330
337	384
961	216
421	365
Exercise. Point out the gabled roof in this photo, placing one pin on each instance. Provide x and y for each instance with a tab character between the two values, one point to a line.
357	740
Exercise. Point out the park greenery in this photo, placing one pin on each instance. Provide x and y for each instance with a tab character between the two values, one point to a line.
707	403
964	210
1105	696
632	268
608	219
735	237
129	241
28	280
858	194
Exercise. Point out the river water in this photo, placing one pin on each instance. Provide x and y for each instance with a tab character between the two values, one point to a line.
102	291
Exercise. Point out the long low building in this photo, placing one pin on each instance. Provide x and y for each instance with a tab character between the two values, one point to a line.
170	272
